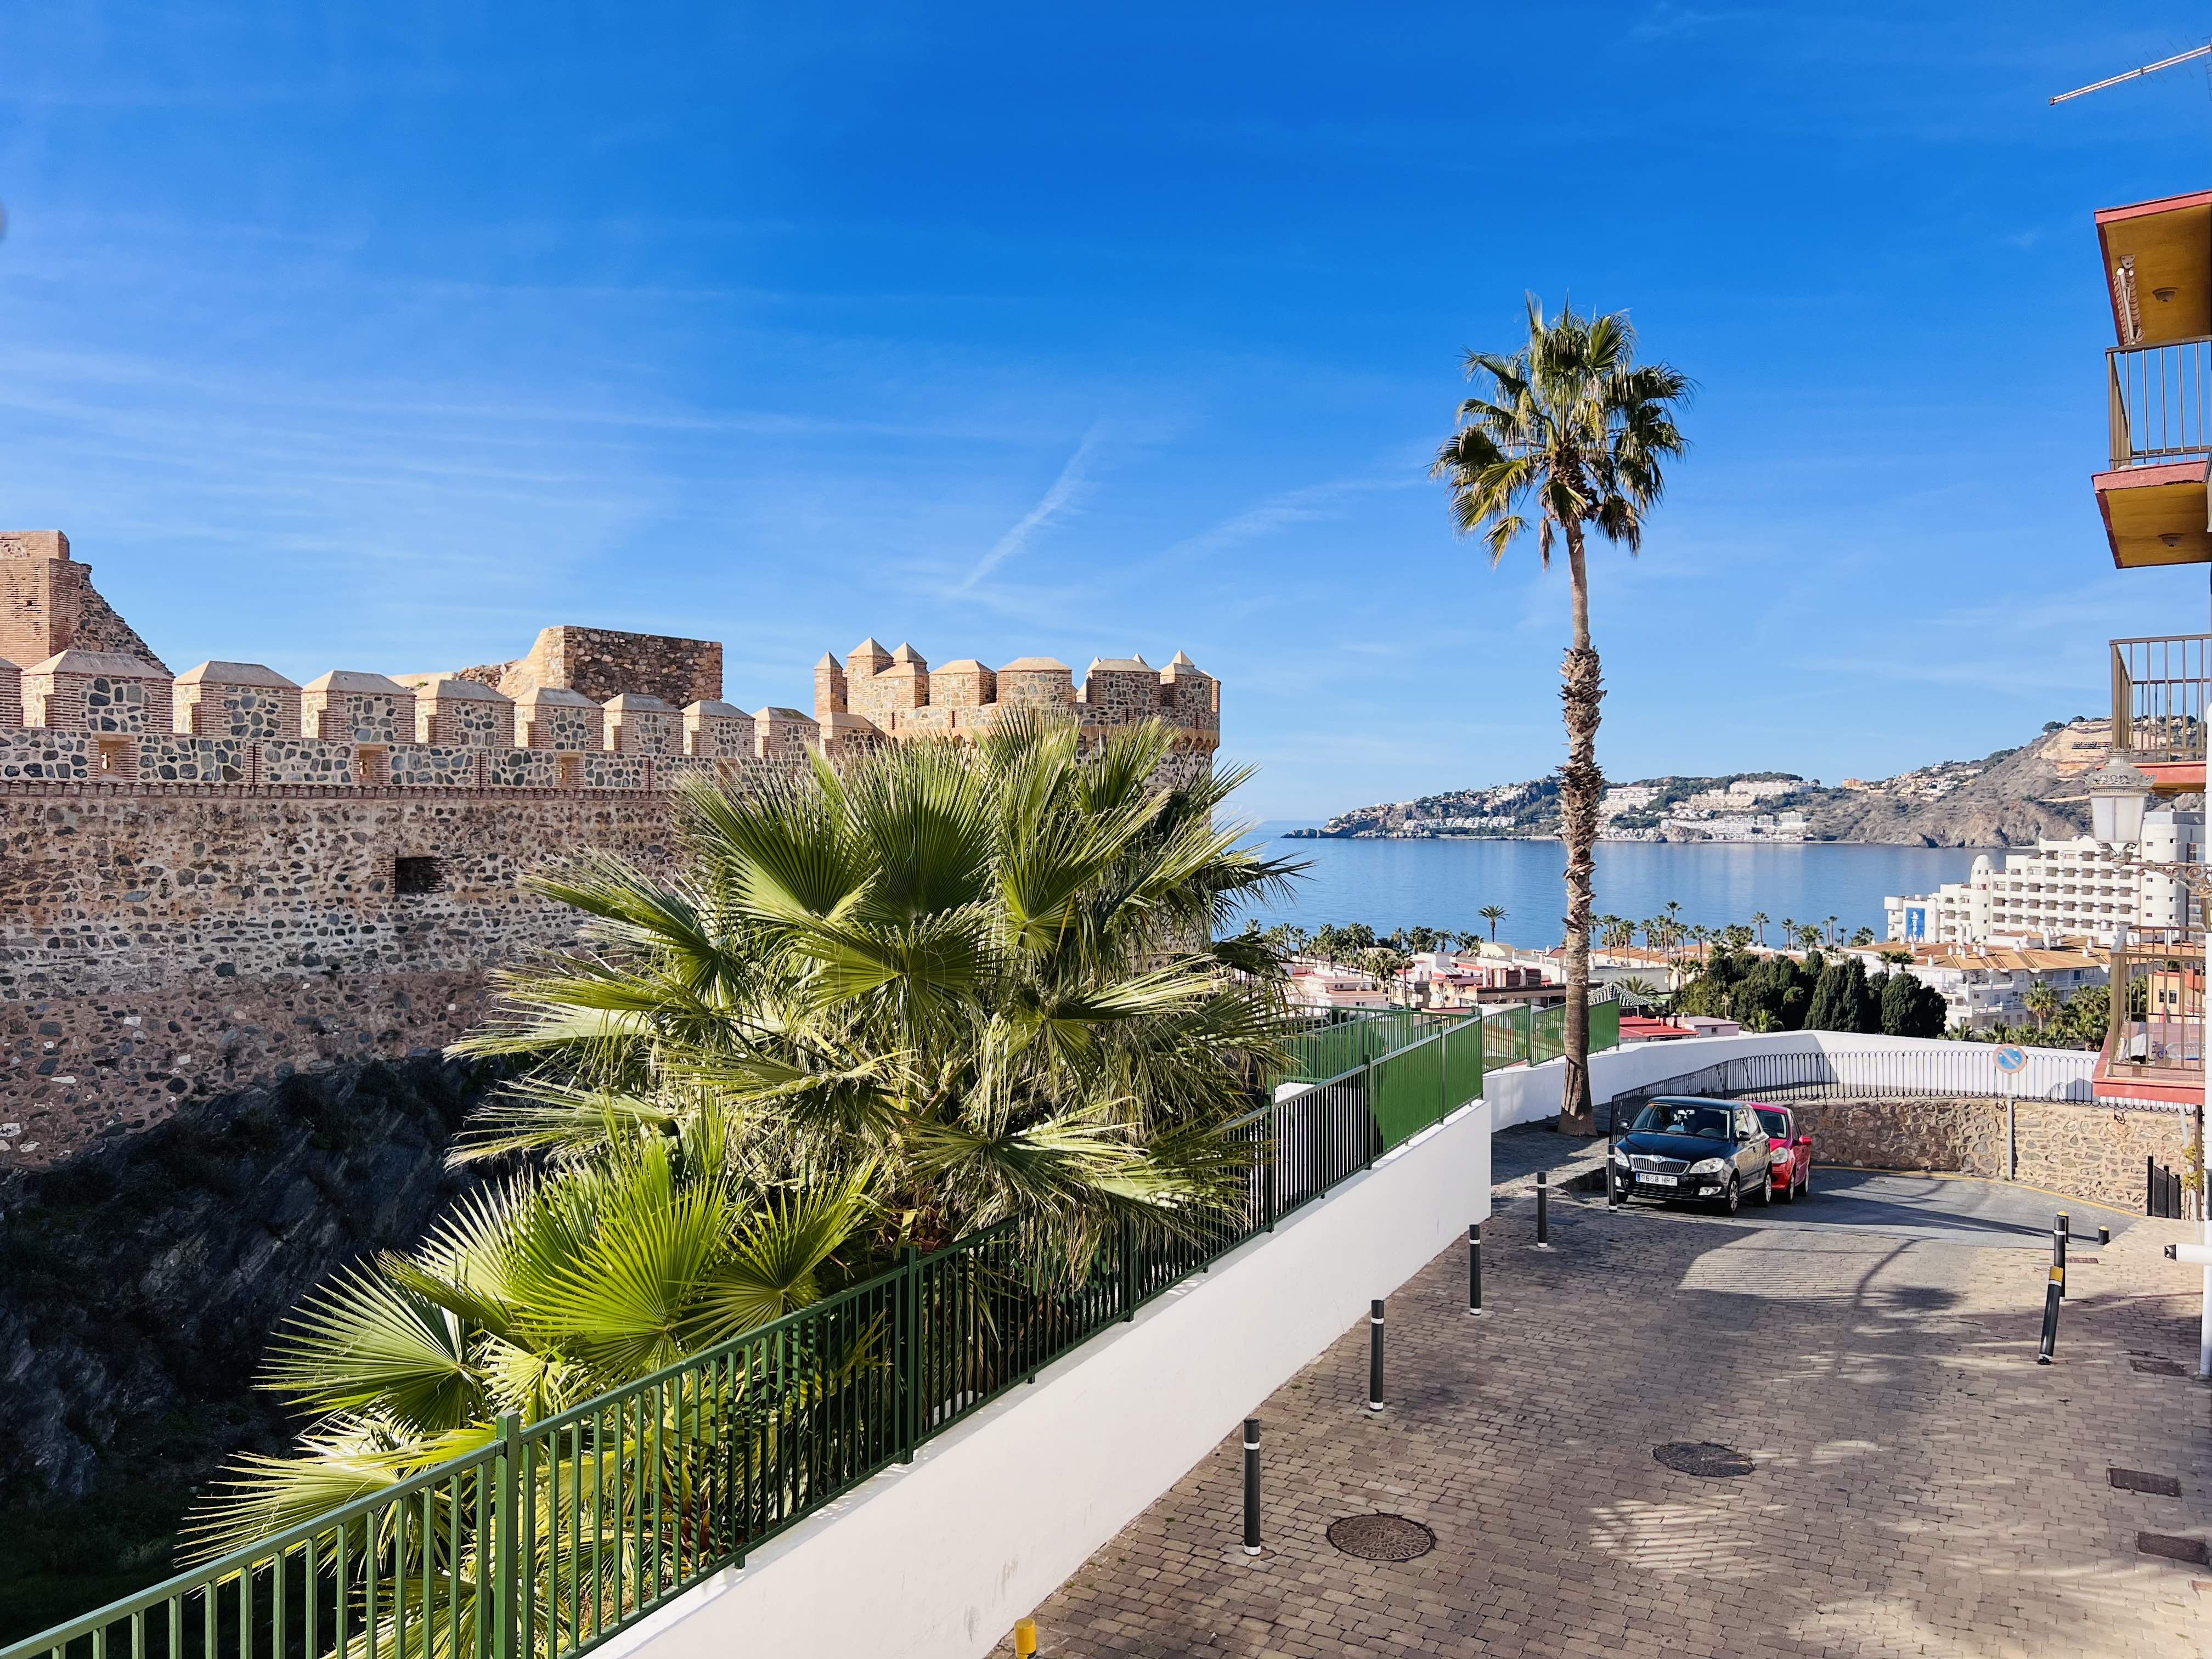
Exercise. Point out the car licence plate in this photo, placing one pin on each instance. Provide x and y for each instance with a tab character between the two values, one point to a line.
1658	1180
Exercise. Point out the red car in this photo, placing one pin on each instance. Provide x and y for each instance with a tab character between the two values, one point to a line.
1791	1153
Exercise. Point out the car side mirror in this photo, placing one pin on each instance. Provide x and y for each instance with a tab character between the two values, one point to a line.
1804	1140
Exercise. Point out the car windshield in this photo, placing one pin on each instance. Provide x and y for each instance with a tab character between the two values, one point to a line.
1776	1124
1675	1117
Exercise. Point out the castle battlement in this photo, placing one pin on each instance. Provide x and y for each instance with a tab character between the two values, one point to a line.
896	695
216	878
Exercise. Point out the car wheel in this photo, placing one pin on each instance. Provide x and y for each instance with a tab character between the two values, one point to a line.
1732	1199
1766	1189
1806	1186
1789	1190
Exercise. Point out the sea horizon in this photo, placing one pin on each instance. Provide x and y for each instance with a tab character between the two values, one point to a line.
1390	883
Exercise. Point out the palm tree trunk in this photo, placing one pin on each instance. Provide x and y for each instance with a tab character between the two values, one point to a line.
1580	785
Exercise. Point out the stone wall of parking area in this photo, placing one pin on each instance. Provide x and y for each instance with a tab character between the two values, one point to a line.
2093	1149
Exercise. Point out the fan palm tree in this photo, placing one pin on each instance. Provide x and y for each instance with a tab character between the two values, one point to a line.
1637	994
1788	933
885	1006
1492	913
531	1296
1758	921
988	972
1572	429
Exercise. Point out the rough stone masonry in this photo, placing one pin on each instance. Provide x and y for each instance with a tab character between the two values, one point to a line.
216	878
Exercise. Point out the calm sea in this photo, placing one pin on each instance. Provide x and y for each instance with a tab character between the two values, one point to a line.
1442	883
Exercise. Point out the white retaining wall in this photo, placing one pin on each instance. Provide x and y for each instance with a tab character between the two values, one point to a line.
1526	1094
939	1557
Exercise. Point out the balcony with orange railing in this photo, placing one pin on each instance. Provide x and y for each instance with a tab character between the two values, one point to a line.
2155	1041
2160	692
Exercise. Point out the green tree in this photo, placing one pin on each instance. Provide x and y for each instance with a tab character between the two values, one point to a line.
1841	999
1572	429
2042	1001
1863	938
1492	913
941	988
1758	921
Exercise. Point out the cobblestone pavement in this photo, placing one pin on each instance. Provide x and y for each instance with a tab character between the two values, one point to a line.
1922	1486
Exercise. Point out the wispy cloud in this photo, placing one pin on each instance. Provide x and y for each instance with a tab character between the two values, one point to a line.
1306	505
1067	490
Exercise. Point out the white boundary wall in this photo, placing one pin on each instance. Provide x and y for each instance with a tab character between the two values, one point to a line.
938	1558
1526	1094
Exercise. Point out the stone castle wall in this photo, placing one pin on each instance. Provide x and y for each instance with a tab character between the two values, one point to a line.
218	877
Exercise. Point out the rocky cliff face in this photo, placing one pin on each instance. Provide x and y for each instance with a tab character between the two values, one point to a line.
139	1281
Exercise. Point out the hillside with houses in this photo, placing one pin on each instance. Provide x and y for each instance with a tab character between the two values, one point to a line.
2007	799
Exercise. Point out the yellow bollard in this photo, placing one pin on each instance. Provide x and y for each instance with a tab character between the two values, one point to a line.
1024	1638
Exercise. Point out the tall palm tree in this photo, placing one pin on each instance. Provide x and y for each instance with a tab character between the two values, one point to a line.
1830	927
1788	933
1758	921
1572	429
1492	913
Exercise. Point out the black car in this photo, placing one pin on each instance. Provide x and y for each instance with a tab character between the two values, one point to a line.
1682	1147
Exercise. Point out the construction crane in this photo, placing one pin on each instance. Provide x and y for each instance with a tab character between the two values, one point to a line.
2133	74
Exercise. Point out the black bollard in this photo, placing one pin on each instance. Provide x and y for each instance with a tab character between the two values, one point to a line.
1543	1212
1474	1267
2061	1230
2051	1296
2104	1235
1375	1355
1251	1486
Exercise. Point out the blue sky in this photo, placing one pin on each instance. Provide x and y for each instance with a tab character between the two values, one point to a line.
381	336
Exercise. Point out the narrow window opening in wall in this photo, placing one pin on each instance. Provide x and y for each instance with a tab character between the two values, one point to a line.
572	770
114	756
411	876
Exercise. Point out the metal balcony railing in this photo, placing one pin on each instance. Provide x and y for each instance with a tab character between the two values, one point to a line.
2156	1032
2159	689
2162	401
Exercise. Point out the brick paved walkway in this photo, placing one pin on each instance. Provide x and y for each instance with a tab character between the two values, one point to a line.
1922	1486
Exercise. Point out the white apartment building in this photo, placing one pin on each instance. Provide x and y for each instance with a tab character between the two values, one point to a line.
2083	887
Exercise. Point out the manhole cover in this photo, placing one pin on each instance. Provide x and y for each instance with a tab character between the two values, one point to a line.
1382	1537
1703	1457
2191	1549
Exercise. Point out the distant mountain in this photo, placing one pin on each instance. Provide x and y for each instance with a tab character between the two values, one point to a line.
2008	798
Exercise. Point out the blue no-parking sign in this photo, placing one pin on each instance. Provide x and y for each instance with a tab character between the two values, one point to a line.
2010	1058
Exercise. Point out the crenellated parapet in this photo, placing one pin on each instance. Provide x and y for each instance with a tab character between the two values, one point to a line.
221	875
895	694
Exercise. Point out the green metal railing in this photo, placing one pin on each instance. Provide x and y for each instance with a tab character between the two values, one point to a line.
542	1541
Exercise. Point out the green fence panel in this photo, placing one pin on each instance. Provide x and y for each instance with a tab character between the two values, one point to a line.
1465	1059
1409	1092
1604	1025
